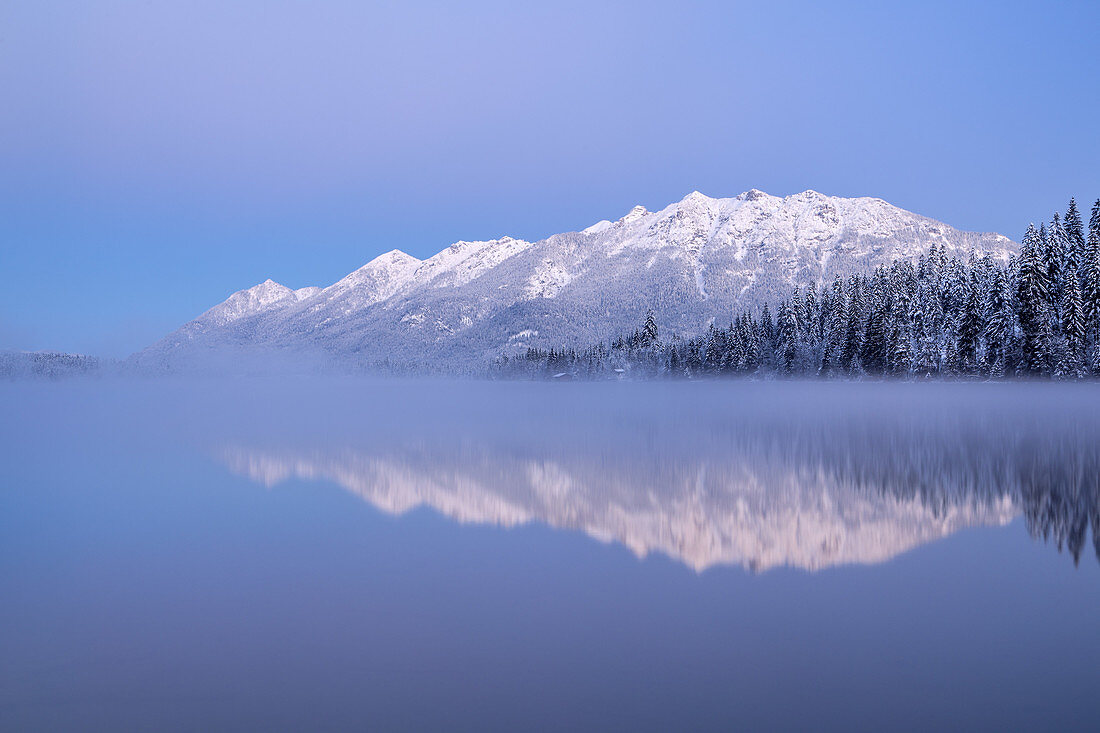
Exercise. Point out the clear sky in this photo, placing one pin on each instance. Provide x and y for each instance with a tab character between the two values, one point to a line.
157	156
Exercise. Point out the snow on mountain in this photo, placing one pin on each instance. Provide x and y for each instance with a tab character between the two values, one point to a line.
598	227
372	283
698	260
257	299
463	261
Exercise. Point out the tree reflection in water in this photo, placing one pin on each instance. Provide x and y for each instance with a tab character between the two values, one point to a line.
761	488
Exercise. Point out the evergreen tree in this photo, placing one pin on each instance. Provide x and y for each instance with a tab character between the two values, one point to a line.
787	340
900	360
1075	240
674	367
833	358
1053	254
811	318
712	353
999	329
971	327
901	355
767	326
926	330
853	338
1033	295
876	335
1071	360
1091	286
650	334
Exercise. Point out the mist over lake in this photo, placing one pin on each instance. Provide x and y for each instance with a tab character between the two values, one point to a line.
321	553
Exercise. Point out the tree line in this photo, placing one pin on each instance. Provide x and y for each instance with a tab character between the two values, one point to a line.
1035	315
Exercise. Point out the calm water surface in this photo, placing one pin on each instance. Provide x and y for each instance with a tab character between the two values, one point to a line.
307	554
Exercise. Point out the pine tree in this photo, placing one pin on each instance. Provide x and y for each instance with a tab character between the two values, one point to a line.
649	331
876	335
1090	295
1053	252
750	332
901	355
952	360
811	319
999	328
923	330
787	342
1071	359
767	326
1075	239
712	355
1033	297
832	359
853	329
970	327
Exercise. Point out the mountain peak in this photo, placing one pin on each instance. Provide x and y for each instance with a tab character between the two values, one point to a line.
255	299
387	261
377	280
695	196
634	214
267	291
395	254
753	194
809	193
600	226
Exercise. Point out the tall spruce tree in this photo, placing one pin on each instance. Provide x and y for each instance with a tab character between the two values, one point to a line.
833	358
1091	284
901	355
971	326
1071	357
877	331
853	328
1033	296
1075	240
650	334
1000	327
787	340
1053	252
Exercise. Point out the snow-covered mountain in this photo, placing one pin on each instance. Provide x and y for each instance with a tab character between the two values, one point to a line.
697	261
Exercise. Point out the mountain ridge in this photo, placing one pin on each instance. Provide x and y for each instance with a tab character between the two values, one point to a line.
693	262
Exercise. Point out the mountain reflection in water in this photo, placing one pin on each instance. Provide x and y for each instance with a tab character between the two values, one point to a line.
760	486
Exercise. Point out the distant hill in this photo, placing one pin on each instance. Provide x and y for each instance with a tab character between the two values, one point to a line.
46	364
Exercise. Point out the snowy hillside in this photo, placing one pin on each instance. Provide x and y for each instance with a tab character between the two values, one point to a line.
695	262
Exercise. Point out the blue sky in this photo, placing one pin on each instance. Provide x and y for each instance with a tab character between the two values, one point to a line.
155	157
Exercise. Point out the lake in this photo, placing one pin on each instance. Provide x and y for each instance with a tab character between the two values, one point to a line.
333	554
